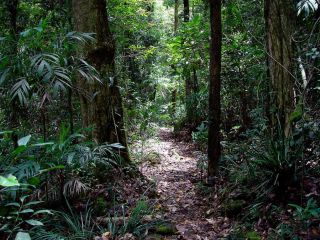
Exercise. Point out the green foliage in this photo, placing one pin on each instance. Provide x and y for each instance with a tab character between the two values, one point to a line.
20	216
41	68
9	181
201	136
69	226
312	210
54	160
306	7
135	223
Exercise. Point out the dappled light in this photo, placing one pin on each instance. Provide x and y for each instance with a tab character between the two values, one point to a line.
159	119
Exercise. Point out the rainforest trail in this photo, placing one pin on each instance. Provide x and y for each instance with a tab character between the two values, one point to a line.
177	181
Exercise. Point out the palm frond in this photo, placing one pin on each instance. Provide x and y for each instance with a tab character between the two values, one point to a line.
80	37
74	188
25	170
21	90
88	72
3	75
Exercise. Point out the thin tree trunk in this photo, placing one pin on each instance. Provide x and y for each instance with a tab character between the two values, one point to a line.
70	110
187	75
44	123
195	83
103	108
245	117
214	148
176	24
12	8
186	10
279	15
176	16
174	102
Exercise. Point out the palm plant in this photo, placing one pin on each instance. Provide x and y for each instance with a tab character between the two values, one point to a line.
43	67
278	163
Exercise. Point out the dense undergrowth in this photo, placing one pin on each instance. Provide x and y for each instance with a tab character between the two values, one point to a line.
57	182
269	187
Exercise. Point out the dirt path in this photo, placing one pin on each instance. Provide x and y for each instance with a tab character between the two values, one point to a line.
176	175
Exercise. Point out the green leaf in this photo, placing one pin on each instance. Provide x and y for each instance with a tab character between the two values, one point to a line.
297	114
3	76
24	141
19	150
25	33
42	144
9	181
58	167
34	181
23	236
117	145
33	203
29	210
14	213
34	222
43	211
13	204
4	227
253	236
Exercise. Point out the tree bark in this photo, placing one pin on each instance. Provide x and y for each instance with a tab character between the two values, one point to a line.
176	16
101	105
187	74
12	8
186	10
70	111
214	148
279	17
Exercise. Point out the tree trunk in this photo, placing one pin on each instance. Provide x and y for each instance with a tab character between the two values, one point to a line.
70	111
173	102
245	117
174	91
279	17
187	74
12	8
101	105
214	148
176	16
195	82
186	10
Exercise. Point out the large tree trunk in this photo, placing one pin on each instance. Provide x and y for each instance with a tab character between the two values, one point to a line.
279	15
214	148
101	103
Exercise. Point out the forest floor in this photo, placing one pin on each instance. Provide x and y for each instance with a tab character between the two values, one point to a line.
172	164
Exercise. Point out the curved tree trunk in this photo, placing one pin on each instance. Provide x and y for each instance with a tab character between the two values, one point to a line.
101	103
